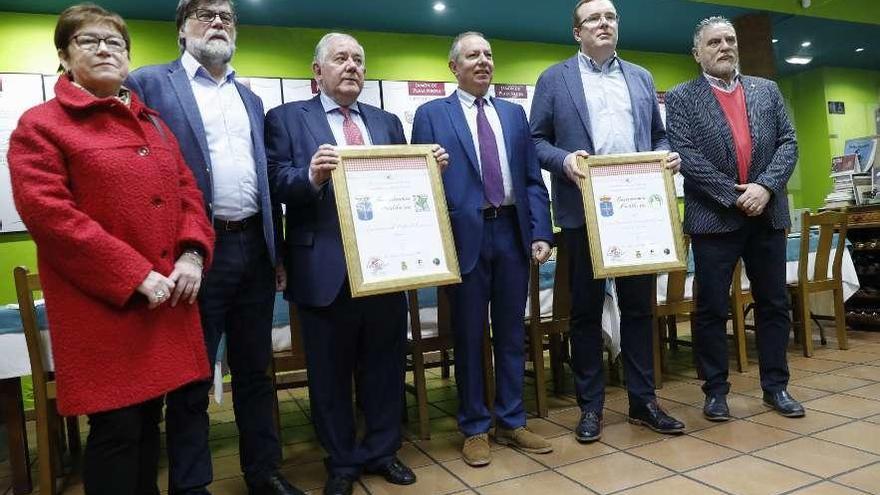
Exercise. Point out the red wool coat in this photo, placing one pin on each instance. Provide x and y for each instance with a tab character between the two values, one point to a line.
107	197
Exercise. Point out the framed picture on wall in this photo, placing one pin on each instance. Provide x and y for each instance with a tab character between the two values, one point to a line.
633	225
394	221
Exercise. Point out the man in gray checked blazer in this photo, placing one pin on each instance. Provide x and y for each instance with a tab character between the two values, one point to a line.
738	150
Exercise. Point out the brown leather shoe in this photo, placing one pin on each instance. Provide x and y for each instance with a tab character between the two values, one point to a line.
522	439
475	451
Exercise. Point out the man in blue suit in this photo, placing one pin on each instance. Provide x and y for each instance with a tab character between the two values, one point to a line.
500	216
738	150
596	103
344	337
219	124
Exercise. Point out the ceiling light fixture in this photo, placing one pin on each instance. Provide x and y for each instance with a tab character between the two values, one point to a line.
774	40
439	7
859	50
806	44
799	60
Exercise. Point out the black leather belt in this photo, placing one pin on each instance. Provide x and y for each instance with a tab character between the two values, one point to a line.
491	213
236	225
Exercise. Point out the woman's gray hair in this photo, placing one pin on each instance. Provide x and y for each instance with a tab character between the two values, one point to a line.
708	22
324	43
455	49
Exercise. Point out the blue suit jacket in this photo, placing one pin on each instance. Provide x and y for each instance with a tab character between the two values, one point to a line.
166	89
443	122
699	132
561	124
294	131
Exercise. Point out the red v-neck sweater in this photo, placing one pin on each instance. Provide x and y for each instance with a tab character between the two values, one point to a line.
734	106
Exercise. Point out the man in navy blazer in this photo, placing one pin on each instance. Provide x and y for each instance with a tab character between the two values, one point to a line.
344	337
738	150
499	210
219	124
596	103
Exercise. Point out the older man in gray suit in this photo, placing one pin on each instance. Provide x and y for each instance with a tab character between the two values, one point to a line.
738	150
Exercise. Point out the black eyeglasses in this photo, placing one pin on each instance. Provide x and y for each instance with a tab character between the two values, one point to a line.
208	16
89	43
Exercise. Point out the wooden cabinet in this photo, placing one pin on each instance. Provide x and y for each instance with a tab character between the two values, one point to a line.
863	308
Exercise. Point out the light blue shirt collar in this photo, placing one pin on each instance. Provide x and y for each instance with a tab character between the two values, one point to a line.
330	105
588	63
194	69
723	85
470	100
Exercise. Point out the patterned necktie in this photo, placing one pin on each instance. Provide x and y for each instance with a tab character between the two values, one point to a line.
349	128
493	186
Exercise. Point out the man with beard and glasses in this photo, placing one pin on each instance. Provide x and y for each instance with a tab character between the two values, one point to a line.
738	150
219	124
594	103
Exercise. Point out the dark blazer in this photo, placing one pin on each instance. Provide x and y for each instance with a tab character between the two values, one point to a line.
294	131
560	124
699	132
443	122
166	89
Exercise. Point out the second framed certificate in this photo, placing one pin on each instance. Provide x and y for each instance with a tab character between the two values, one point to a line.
395	225
632	216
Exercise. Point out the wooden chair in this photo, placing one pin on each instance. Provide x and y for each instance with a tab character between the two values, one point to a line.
664	317
288	367
440	342
828	223
552	327
50	428
740	300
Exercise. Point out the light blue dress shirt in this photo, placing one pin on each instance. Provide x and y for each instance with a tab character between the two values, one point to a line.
608	103
230	146
335	119
469	106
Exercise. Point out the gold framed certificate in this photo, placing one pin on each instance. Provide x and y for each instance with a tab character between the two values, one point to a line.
633	225
394	221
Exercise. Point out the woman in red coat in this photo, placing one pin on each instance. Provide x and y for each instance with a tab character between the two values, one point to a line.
122	240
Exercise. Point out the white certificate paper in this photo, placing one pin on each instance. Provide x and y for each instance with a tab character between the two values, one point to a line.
633	215
395	218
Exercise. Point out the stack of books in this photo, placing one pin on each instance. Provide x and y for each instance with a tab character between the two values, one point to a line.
844	175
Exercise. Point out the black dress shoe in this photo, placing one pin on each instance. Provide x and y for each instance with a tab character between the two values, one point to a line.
784	404
395	472
655	418
715	408
339	485
275	485
589	428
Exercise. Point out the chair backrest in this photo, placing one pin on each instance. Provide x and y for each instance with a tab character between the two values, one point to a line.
675	281
561	307
26	284
828	223
443	339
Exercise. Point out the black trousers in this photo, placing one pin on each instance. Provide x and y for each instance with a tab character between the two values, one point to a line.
362	339
122	450
762	250
587	299
237	298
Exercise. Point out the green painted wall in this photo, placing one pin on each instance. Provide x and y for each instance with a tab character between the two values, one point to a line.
822	136
26	46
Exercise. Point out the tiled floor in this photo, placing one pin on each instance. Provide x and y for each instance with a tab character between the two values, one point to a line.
834	450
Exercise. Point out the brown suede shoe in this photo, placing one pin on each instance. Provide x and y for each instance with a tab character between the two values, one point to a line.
522	439
475	451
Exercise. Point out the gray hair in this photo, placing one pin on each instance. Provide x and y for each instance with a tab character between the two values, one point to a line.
324	44
185	8
707	23
455	50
